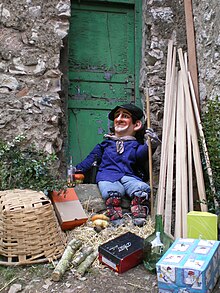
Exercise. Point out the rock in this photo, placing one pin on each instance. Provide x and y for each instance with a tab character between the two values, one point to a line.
90	197
48	283
15	288
9	82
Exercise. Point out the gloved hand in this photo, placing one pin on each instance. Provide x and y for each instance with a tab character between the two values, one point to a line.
149	133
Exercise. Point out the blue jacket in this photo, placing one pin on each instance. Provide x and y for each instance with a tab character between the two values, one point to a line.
113	166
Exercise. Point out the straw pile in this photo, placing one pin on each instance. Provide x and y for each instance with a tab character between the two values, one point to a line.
90	237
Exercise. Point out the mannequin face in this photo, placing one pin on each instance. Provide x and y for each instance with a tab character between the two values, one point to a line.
123	123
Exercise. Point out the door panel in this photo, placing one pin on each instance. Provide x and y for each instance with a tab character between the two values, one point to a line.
85	136
101	69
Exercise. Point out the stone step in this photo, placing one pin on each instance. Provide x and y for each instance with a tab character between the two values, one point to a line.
91	199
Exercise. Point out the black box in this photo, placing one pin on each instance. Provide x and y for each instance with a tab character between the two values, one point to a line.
122	253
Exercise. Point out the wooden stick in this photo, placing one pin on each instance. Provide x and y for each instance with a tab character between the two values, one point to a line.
65	260
190	173
81	255
150	155
191	46
178	210
162	175
171	140
189	156
196	153
184	175
181	164
186	61
85	265
171	60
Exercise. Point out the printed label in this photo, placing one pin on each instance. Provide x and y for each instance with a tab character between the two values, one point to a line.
108	262
122	247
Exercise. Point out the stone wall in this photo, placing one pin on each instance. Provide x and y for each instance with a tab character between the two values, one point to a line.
207	27
33	63
31	34
163	20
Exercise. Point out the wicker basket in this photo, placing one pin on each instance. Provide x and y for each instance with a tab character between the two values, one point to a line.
29	230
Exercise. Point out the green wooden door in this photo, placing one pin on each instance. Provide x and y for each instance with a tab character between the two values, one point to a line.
102	69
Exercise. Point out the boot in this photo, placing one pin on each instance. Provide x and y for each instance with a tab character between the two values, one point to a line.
114	210
139	210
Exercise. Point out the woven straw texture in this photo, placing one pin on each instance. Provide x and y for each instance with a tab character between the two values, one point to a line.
29	230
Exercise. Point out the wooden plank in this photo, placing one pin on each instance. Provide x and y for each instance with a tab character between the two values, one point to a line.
171	60
181	164
170	165
190	173
191	46
178	209
193	131
184	173
189	156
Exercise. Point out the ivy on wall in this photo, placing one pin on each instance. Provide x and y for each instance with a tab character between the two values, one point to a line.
211	127
27	168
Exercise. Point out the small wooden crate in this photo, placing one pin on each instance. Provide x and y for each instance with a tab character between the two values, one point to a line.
68	209
29	230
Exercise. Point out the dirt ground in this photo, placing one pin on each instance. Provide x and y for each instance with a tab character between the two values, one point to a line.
37	279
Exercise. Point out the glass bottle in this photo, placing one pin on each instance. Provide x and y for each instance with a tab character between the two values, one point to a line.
70	173
94	170
155	245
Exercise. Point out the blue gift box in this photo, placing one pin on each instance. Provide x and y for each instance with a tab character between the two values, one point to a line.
189	266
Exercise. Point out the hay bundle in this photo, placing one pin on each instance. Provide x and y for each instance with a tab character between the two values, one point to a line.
90	237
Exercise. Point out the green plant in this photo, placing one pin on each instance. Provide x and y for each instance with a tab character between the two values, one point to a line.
26	167
11	274
8	273
211	127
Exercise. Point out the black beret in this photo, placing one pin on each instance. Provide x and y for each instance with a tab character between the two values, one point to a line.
134	110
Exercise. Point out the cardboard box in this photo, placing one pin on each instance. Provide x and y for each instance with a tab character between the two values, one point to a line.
189	266
122	253
202	225
68	209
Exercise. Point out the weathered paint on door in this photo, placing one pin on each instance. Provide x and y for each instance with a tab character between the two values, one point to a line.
102	69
